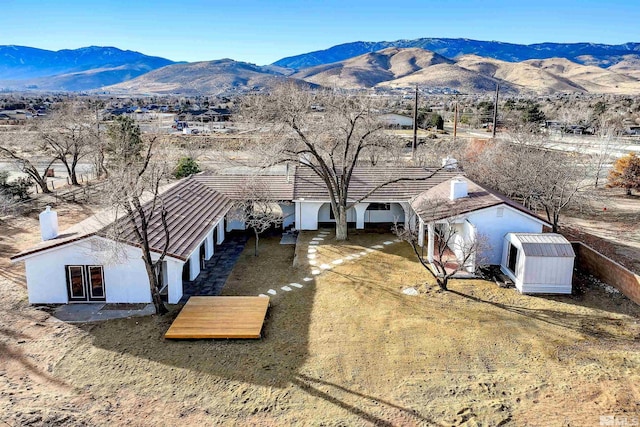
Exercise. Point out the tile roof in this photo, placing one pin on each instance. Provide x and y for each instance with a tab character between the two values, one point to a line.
545	245
192	209
309	186
435	203
234	186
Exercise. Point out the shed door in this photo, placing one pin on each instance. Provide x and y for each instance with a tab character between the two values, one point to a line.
513	258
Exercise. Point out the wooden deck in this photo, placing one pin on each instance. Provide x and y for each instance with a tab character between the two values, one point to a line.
220	317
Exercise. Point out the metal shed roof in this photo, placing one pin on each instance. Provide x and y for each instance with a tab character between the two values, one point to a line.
544	245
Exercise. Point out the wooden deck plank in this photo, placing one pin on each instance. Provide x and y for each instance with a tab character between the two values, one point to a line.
220	317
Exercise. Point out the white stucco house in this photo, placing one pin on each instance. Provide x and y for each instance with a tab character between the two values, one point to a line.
85	263
474	212
80	264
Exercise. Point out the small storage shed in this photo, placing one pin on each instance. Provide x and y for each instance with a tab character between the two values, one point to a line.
538	263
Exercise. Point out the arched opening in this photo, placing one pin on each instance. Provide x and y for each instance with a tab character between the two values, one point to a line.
326	217
383	214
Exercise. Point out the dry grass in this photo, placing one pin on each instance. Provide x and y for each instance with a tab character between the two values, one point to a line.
348	348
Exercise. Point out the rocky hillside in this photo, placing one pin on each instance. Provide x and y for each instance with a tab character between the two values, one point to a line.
602	55
212	77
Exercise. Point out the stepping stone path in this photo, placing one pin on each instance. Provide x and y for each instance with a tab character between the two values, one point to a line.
312	254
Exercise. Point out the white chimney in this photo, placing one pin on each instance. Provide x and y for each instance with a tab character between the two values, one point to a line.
458	189
48	224
449	163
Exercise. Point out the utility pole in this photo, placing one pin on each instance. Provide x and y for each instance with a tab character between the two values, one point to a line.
495	113
455	121
415	126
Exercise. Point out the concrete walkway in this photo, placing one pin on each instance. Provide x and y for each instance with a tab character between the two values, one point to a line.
95	312
211	280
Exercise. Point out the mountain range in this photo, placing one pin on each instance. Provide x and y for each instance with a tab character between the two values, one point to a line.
460	65
72	70
602	55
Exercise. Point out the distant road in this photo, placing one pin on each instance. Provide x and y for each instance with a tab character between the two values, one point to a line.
590	144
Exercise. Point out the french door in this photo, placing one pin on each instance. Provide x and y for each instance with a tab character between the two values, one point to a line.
85	283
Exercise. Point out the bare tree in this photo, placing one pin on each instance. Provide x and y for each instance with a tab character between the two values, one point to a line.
22	150
257	210
606	130
527	171
69	134
135	179
453	252
327	131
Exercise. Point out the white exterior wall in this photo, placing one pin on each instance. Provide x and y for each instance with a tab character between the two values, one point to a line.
307	215
396	214
125	280
324	214
547	275
288	214
493	228
233	223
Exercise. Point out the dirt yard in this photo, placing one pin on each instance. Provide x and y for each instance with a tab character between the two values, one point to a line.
610	224
346	348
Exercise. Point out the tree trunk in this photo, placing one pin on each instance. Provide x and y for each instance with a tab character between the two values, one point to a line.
629	191
153	285
42	183
256	247
74	178
341	224
70	171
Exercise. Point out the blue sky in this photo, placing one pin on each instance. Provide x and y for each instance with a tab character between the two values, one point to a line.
265	31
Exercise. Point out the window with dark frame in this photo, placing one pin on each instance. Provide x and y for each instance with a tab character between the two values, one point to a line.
85	283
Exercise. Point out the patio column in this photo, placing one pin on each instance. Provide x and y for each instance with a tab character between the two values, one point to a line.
361	209
174	281
220	232
408	213
194	264
208	246
471	239
420	233
430	241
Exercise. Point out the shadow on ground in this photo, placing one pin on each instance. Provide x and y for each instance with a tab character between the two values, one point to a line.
273	360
